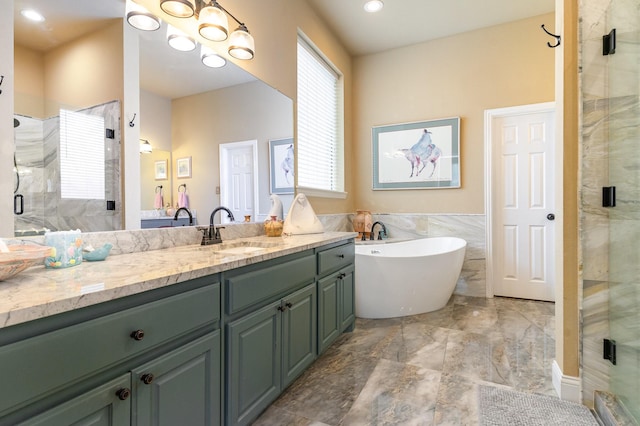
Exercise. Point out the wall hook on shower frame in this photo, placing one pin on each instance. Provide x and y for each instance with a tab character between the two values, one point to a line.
1	80
557	37
131	123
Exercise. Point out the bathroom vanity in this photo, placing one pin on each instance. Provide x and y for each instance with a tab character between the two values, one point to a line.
198	335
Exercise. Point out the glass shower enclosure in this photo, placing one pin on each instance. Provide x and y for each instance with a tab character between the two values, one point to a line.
623	74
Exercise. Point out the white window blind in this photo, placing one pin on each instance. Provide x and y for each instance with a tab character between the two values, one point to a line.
320	145
81	156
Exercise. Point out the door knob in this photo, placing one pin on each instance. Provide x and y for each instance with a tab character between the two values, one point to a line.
551	216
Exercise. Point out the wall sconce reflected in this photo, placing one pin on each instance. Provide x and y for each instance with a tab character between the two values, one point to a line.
145	147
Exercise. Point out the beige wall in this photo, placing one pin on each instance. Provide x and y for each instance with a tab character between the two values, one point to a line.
29	85
200	123
86	71
458	76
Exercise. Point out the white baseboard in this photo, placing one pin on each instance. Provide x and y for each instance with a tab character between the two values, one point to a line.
568	388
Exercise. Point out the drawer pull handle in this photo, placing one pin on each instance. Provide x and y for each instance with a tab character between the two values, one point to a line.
137	335
341	256
147	379
123	394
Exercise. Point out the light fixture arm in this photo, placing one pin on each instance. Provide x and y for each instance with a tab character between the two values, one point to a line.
203	3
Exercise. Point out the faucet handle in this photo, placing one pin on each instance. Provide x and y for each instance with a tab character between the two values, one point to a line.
217	232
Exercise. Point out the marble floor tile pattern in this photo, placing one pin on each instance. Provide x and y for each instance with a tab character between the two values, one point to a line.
424	369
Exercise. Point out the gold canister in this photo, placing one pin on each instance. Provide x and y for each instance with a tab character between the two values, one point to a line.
273	227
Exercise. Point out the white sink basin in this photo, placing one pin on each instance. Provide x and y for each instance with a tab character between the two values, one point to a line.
243	247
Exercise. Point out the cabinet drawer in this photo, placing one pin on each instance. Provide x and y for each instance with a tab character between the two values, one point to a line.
335	258
34	367
264	284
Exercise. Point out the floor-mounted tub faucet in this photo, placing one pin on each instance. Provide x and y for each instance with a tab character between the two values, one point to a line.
214	233
381	232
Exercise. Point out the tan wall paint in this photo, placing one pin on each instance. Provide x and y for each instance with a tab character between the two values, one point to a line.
87	71
568	354
462	75
29	84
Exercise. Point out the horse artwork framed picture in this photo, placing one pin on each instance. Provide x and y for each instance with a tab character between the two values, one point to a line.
419	155
281	165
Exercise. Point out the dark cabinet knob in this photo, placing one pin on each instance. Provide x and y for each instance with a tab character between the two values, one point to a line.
123	394
341	275
137	335
341	256
147	379
280	308
288	305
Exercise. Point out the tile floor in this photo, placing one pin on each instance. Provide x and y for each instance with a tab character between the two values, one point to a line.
423	369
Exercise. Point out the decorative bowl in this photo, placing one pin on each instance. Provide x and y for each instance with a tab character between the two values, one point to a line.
97	254
20	257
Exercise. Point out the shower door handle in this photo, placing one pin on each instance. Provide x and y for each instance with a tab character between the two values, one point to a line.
18	198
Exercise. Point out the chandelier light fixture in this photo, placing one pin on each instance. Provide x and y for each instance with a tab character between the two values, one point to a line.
139	17
211	58
212	23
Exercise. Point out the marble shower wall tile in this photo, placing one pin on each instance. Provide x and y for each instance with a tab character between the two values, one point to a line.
472	281
37	143
595	328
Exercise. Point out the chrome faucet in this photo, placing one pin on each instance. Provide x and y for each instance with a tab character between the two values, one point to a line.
175	217
381	232
214	232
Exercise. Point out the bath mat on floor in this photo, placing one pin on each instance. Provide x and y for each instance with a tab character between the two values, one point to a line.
503	407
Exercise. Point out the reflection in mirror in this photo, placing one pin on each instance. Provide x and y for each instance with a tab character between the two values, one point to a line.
151	177
186	109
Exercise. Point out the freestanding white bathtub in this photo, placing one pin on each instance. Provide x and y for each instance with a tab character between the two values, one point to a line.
408	277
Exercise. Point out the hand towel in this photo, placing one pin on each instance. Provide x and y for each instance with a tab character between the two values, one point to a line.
158	203
301	218
183	200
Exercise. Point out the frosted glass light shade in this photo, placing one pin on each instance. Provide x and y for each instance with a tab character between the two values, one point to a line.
180	40
213	23
178	8
145	147
241	44
139	17
211	58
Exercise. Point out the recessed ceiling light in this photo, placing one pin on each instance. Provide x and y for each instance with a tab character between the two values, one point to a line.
32	15
373	5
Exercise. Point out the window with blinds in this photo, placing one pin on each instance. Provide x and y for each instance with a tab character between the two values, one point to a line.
82	167
320	140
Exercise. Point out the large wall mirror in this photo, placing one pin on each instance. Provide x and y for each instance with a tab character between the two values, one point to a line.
73	61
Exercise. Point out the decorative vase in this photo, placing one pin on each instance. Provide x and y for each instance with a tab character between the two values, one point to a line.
273	227
362	222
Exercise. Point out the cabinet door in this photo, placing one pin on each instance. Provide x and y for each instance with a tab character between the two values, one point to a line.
253	363
181	387
347	302
299	332
328	315
109	404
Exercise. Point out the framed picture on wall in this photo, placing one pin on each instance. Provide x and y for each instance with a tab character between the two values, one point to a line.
420	155
160	168
281	163
183	167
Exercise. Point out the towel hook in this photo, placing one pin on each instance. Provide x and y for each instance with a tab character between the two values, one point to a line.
158	188
131	123
183	186
557	37
1	80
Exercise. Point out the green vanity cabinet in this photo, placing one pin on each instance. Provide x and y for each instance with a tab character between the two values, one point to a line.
336	303
65	366
266	350
106	405
181	387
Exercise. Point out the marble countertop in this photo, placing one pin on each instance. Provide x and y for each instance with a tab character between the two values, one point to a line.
39	292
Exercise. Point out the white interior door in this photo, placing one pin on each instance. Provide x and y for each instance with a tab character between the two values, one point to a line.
238	174
522	193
